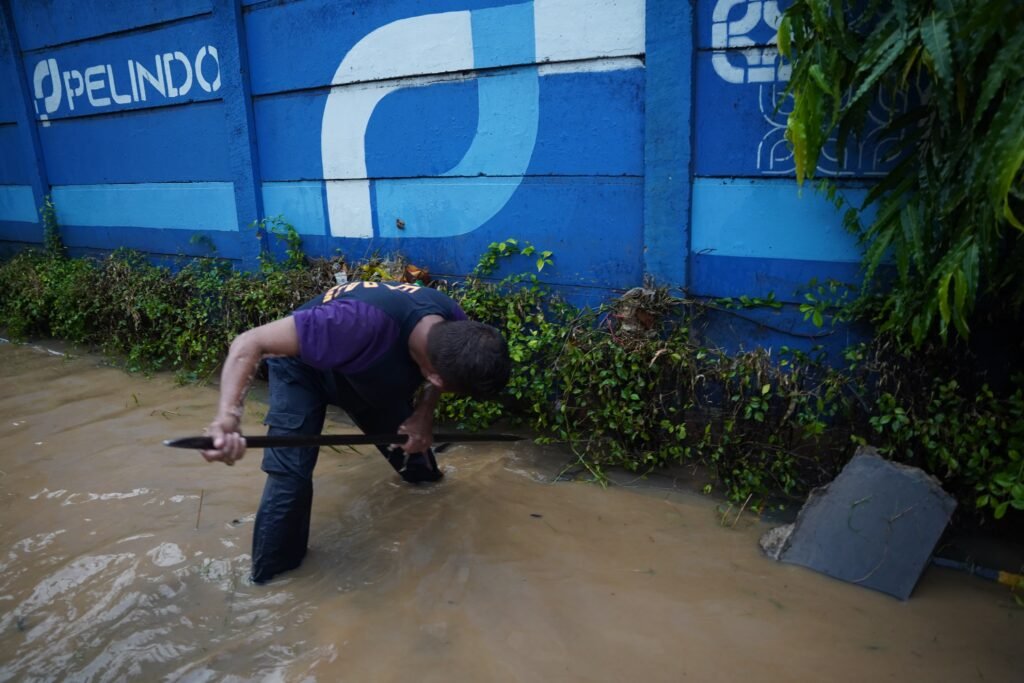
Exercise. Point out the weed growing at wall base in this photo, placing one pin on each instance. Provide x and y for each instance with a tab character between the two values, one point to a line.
630	384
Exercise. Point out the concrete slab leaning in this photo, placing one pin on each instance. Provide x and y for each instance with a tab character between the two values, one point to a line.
875	525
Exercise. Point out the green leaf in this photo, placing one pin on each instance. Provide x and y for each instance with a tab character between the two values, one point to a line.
912	60
783	37
875	68
1005	68
819	78
959	302
819	15
1003	480
935	36
943	297
1006	146
796	133
837	14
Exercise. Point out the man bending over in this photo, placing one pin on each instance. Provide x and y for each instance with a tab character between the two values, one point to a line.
366	347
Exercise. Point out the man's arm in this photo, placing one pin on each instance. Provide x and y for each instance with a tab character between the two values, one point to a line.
278	338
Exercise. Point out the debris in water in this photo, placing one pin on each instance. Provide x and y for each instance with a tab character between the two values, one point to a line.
199	512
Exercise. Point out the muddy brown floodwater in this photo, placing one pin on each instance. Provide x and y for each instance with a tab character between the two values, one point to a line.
125	560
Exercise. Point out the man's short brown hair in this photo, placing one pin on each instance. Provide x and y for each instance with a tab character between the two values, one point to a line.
471	357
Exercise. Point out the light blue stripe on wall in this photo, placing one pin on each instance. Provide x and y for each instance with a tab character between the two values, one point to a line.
440	207
18	204
770	219
503	36
301	204
188	206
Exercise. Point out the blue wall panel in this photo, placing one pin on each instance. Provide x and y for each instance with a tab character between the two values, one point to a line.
769	219
288	135
158	145
786	279
8	73
758	237
18	233
13	162
40	24
300	204
429	143
17	204
740	130
601	248
571	139
745	330
164	242
310	38
591	124
171	65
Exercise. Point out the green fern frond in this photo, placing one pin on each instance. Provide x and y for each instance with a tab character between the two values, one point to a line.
940	213
1006	68
1007	152
935	36
893	49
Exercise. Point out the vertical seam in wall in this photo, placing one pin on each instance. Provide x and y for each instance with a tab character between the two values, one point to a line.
26	117
243	150
691	163
668	141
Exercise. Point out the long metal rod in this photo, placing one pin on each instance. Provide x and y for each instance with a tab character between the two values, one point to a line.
206	442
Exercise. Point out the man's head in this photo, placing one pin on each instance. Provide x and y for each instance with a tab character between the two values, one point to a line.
471	358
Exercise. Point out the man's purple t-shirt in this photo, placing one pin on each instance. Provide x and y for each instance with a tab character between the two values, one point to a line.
354	325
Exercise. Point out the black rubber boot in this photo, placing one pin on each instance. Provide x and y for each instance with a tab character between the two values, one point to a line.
415	468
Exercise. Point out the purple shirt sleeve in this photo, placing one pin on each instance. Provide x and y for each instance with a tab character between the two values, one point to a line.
344	335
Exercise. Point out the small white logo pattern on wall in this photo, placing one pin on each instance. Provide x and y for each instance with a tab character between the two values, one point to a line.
749	64
737	58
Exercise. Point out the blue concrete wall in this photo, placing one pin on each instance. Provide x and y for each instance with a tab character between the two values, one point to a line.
630	137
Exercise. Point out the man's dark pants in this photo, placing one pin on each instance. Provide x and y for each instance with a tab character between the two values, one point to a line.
299	396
